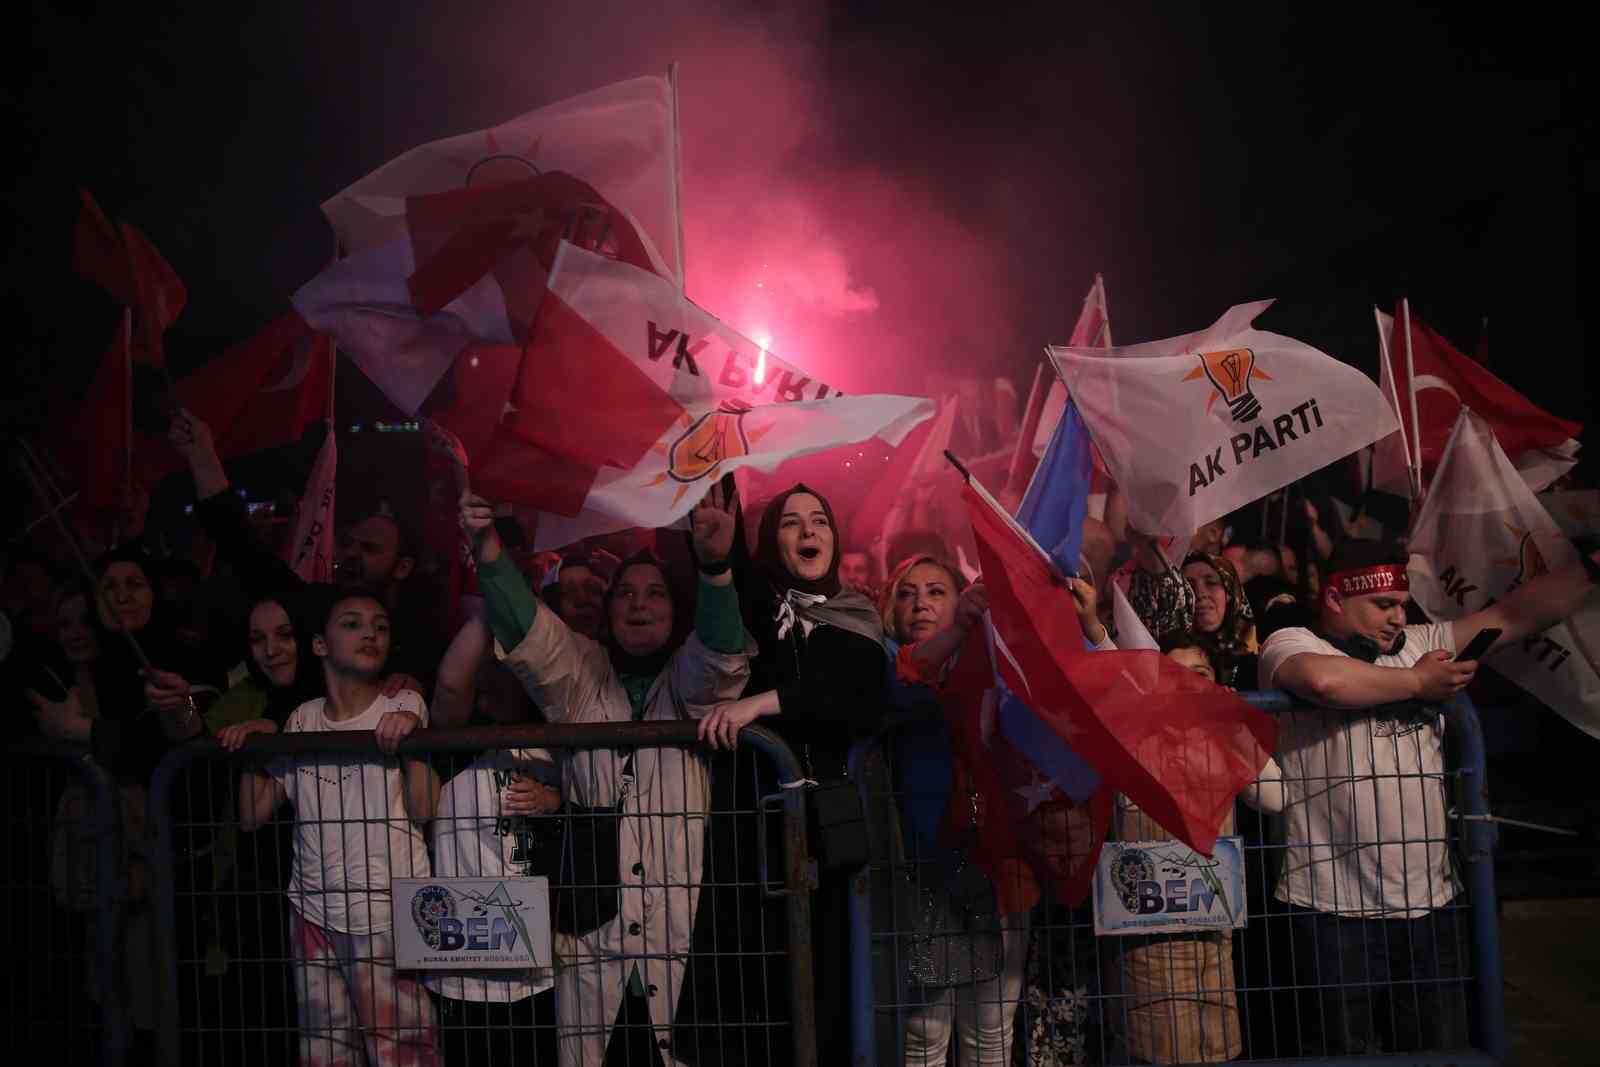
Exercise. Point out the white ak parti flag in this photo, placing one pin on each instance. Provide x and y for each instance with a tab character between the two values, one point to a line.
1480	534
1196	426
310	550
740	405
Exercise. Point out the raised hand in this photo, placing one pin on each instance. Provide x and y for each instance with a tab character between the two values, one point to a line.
1088	605
714	523
973	603
477	518
188	434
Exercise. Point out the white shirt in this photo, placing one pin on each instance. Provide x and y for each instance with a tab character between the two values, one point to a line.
351	830
1365	815
472	840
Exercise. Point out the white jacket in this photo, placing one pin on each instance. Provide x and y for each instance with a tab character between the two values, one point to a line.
661	846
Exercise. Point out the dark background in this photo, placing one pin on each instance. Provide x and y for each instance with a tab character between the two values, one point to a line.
969	172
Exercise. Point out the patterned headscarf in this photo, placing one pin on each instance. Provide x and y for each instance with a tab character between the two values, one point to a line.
1237	635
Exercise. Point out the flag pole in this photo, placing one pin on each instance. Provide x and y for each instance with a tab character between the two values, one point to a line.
1105	309
988	498
1015	481
677	172
1415	478
37	477
127	422
1411	387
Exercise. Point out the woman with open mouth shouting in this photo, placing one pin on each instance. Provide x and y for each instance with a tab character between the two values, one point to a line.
819	677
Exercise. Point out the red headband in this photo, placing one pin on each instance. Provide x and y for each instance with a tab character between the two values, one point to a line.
1384	578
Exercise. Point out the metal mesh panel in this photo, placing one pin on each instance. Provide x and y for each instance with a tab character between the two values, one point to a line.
1369	921
79	910
678	893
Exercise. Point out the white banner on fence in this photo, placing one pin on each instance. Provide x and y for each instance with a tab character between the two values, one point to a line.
465	924
1160	887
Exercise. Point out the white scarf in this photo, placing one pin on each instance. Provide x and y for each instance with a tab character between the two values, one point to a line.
787	617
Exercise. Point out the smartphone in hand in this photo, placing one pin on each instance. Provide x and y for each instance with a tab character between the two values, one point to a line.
1479	644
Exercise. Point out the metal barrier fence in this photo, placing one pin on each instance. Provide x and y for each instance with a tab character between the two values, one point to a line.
66	880
689	943
1389	949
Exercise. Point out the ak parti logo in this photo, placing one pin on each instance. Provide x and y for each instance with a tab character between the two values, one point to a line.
706	443
1529	560
1230	373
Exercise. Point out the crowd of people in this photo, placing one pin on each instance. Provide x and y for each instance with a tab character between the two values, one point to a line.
827	643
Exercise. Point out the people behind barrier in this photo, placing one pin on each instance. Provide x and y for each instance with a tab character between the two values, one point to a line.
787	636
1368	871
358	824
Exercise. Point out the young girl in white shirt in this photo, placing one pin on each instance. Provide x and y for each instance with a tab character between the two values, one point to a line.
357	824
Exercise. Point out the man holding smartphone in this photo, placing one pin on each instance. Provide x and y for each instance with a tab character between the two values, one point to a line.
1366	870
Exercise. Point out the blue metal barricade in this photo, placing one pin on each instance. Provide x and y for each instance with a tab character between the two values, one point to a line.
728	981
65	884
1330	980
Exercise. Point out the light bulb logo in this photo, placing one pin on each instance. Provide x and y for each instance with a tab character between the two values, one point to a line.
1230	373
712	439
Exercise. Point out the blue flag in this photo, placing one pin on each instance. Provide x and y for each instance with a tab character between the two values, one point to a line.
1057	499
1052	511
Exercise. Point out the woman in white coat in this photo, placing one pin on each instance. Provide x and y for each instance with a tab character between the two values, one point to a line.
636	671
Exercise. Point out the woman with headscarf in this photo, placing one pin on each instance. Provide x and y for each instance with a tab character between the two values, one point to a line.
819	677
1224	625
637	937
139	713
130	716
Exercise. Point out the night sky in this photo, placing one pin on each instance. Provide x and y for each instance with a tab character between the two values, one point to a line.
954	180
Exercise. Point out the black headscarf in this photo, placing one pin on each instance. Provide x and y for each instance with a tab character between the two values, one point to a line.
655	662
845	609
770	559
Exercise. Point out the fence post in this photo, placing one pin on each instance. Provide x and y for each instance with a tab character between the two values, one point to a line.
797	902
109	892
1478	833
163	895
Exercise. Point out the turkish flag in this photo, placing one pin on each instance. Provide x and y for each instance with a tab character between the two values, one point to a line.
261	393
1446	381
159	294
1029	834
1175	744
95	446
98	253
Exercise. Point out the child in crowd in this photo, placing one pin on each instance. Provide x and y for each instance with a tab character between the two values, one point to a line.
357	824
